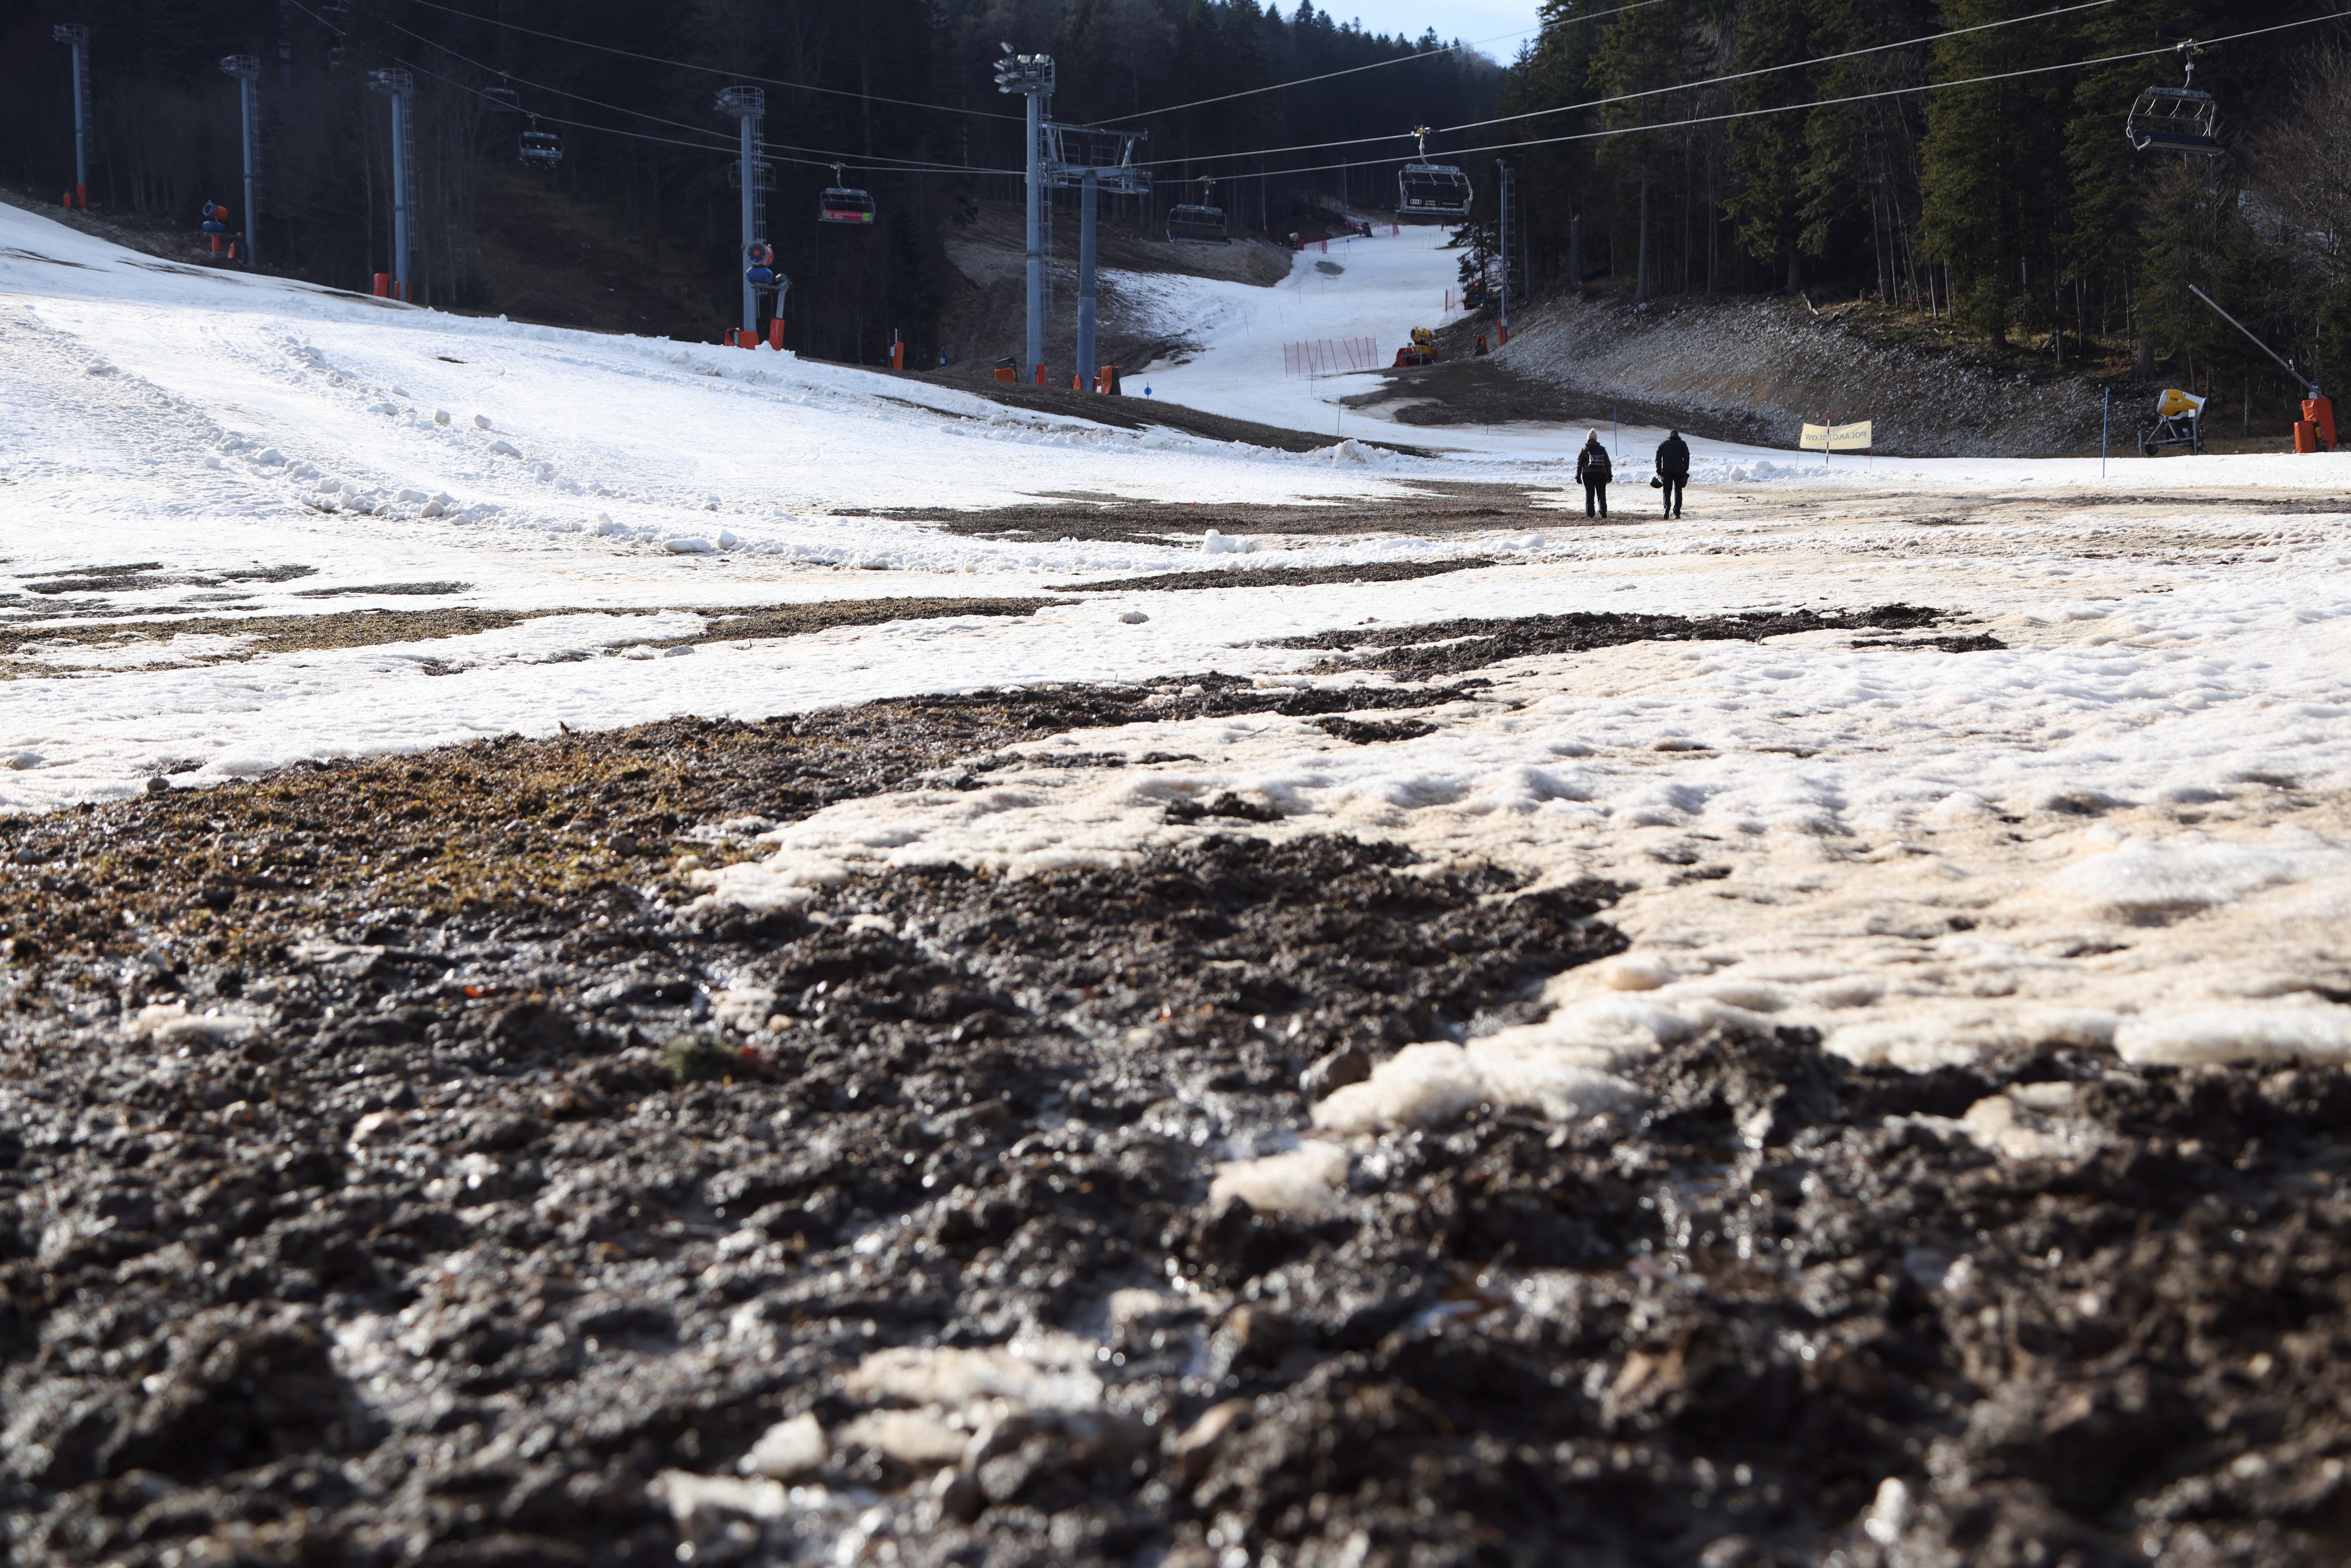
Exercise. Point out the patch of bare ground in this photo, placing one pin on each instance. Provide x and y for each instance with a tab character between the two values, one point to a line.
1130	411
403	1166
265	634
1432	508
1483	392
1282	576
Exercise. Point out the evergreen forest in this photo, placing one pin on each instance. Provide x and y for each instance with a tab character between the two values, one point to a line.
1961	163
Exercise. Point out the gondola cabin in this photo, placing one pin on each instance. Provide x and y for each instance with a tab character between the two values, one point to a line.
1430	192
539	149
1197	226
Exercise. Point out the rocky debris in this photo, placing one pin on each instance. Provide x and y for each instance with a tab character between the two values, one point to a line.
399	1169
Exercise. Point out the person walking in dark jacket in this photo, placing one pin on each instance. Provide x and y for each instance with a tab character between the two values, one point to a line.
1673	470
1592	471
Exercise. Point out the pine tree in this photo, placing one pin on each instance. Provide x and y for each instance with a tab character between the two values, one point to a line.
1767	149
1988	193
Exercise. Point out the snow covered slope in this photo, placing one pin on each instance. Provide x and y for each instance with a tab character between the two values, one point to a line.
2140	794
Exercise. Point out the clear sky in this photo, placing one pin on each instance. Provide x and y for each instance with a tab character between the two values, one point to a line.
1504	24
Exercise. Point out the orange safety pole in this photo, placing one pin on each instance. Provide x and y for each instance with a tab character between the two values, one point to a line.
1041	372
776	333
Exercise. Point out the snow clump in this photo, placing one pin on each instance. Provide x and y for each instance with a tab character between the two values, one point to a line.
1306	1182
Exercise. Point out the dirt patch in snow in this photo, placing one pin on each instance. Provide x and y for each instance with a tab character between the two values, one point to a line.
1427	508
1283	576
402	1168
1130	410
1433	650
265	634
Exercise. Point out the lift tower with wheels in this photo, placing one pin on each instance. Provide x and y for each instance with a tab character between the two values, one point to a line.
1093	160
401	87
246	69
1031	76
748	105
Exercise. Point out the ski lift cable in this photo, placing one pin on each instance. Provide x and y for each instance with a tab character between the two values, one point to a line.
1826	102
1456	47
824	160
664	140
714	70
1651	93
1789	66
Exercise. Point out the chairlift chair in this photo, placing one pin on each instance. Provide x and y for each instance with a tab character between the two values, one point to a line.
543	148
2175	119
1199	223
503	97
1431	191
843	204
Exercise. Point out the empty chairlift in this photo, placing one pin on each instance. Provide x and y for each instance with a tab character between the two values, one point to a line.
1199	223
2175	119
1430	192
843	204
503	96
539	149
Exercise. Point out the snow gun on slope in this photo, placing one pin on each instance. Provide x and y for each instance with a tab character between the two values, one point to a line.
216	229
761	273
2179	422
2315	431
1421	350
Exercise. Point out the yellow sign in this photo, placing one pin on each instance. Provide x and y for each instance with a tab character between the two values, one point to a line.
1837	437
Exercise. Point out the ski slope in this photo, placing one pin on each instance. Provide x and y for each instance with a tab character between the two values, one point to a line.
2125	825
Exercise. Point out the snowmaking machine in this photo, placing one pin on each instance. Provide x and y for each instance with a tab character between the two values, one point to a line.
2179	422
1421	350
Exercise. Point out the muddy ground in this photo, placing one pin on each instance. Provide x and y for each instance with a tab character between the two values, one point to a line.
403	1167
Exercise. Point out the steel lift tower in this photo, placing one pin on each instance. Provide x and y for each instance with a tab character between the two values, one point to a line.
401	87
1093	160
1032	76
748	105
246	69
76	36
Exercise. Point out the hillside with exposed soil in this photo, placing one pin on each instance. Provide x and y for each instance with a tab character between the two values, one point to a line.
1756	369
